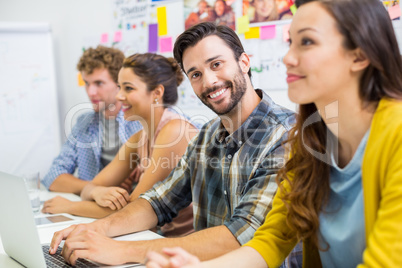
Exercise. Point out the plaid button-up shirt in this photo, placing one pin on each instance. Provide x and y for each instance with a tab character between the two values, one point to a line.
229	178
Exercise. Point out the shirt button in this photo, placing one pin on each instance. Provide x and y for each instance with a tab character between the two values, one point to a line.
240	142
229	156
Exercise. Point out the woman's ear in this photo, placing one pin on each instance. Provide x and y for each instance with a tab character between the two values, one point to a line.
244	62
158	92
360	60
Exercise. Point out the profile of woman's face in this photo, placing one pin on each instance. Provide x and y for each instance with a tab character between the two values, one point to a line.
264	8
318	65
219	8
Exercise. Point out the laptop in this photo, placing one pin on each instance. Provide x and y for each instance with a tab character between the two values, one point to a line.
18	230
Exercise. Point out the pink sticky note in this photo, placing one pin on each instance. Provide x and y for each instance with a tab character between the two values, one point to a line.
285	32
268	32
104	38
394	12
117	36
165	44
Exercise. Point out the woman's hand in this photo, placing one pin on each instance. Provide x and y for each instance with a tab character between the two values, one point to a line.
127	184
114	198
56	205
177	258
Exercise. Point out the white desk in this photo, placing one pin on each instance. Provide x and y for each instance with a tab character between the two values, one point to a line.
46	233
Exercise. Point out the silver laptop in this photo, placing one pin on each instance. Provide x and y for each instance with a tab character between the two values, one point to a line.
18	230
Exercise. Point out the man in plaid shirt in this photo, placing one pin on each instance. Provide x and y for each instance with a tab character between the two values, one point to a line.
228	171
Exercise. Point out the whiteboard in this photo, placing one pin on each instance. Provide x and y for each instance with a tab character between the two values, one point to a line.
29	125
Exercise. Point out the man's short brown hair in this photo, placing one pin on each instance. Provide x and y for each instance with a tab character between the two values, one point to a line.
101	57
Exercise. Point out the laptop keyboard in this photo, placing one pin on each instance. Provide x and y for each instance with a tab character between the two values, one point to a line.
57	260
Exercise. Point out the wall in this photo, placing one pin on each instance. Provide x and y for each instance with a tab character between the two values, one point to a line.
72	22
76	23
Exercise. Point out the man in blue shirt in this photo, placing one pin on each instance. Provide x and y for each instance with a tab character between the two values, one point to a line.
97	136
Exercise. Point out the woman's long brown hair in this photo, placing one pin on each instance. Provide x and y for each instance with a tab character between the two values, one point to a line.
307	171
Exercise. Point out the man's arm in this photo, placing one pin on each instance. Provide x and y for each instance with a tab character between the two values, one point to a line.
89	209
205	244
68	183
63	166
136	216
72	155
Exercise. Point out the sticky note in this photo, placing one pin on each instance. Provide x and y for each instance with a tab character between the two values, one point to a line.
285	32
153	38
81	82
254	32
162	22
394	12
268	32
104	38
293	9
117	36
243	24
165	44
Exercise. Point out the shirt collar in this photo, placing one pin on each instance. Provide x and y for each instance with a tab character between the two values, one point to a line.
250	125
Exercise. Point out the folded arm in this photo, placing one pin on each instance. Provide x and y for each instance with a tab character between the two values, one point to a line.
59	177
68	183
89	209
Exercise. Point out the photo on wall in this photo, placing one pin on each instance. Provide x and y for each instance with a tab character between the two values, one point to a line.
393	9
260	11
219	11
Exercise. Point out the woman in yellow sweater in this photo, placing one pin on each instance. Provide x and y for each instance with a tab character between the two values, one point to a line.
341	191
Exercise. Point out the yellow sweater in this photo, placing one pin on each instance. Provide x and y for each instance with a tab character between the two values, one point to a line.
382	191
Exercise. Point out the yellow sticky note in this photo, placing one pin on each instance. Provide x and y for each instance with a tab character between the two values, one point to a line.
254	32
243	24
81	82
162	22
293	9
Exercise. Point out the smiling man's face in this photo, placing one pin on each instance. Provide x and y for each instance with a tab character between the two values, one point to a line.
215	74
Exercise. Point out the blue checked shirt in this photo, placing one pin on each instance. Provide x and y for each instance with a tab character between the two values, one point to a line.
83	147
229	178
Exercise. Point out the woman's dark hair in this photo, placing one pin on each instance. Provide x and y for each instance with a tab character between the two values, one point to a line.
155	70
371	30
195	34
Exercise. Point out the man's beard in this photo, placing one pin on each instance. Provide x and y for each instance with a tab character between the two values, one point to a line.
237	90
